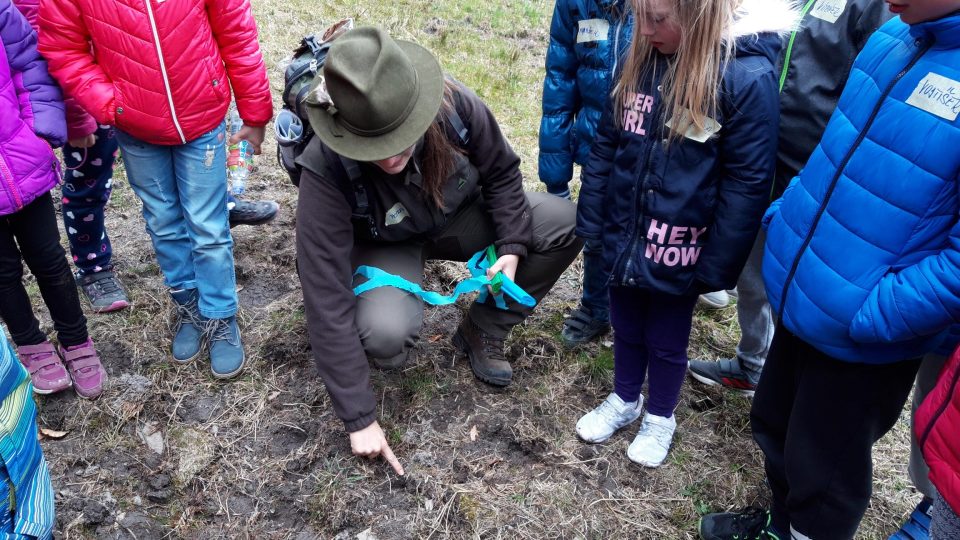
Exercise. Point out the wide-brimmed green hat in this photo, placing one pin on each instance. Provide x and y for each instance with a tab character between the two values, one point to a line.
385	93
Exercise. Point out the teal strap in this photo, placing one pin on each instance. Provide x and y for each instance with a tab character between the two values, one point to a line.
477	265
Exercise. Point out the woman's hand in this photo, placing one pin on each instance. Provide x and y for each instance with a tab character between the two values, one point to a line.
370	442
253	135
506	264
83	142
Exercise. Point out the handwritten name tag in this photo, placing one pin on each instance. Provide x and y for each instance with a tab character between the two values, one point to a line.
710	128
829	10
937	95
592	30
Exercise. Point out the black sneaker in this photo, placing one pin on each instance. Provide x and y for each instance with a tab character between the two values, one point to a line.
581	327
103	291
253	212
748	524
727	373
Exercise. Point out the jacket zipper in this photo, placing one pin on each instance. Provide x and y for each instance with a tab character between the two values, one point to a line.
793	36
163	71
635	237
11	184
941	409
840	169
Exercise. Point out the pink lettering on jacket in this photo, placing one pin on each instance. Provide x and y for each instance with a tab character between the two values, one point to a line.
636	108
673	245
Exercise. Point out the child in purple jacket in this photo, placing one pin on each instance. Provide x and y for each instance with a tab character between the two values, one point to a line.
33	124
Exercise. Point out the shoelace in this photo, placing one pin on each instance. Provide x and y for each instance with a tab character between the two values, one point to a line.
217	330
106	285
492	347
187	313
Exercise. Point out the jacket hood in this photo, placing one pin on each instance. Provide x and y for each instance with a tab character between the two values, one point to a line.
760	26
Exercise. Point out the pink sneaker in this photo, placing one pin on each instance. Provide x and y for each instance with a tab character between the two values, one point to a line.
46	369
85	369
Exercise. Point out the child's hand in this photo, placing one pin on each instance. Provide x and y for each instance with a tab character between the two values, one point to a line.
83	142
253	135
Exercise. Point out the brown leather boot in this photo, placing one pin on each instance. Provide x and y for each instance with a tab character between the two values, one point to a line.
485	353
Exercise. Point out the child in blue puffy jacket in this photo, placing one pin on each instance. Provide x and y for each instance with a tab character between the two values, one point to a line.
587	40
862	268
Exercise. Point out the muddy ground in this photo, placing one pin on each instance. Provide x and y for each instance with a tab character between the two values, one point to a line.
169	452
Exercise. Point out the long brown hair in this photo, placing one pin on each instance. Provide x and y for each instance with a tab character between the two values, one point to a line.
439	154
691	82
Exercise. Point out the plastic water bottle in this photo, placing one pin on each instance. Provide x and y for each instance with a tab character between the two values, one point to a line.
239	155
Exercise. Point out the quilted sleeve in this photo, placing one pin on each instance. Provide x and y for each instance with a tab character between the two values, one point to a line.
596	174
65	43
236	33
561	102
920	300
41	104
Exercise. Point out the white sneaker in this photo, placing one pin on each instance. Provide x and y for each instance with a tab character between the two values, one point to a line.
599	424
652	443
714	300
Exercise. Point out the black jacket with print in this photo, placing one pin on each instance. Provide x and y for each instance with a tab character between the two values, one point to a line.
487	172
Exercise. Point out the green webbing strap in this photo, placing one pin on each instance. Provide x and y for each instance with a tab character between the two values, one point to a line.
793	36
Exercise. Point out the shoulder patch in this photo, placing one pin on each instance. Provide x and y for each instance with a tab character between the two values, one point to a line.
396	214
937	95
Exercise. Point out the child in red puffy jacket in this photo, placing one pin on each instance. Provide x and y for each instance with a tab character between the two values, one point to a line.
937	427
161	72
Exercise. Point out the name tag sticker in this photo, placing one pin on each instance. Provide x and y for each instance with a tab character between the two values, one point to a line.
592	30
396	214
829	10
710	128
937	95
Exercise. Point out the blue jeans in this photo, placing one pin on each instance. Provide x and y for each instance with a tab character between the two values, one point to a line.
596	294
184	194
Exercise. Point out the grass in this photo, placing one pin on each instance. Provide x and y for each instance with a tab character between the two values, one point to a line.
481	462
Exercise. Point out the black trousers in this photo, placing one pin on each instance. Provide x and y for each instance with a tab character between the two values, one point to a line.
31	235
816	419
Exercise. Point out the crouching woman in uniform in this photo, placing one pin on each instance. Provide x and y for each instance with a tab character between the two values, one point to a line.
407	166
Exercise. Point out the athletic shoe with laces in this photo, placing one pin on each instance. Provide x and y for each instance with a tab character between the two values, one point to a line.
601	423
649	448
917	525
103	291
581	327
252	212
728	373
226	350
188	326
85	369
45	367
750	523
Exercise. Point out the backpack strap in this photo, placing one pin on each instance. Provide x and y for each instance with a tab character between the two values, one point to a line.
360	215
463	135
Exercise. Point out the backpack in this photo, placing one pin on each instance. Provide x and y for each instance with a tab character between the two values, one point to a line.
304	65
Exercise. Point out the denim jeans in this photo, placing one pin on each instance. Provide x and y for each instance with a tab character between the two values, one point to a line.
596	294
184	194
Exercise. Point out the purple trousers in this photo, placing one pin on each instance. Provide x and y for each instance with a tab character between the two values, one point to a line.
651	331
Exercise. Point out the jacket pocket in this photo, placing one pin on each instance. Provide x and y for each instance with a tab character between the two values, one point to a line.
216	82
